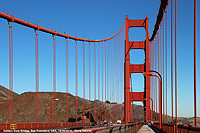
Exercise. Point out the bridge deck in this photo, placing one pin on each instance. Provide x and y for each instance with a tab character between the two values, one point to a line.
145	129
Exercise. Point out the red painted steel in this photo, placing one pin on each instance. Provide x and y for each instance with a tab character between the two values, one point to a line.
102	78
166	60
67	87
41	126
129	68
163	64
11	73
136	96
136	68
148	74
157	56
94	80
136	126
195	97
37	78
98	81
172	60
76	78
54	78
169	128
137	45
176	63
90	82
54	100
50	111
163	6
37	27
160	100
84	79
147	68
105	82
151	107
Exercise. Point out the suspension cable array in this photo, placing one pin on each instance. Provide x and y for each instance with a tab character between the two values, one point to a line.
98	76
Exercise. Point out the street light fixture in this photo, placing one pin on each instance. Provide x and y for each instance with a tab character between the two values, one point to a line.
151	107
150	73
53	99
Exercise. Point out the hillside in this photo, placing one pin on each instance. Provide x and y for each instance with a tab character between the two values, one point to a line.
4	95
24	108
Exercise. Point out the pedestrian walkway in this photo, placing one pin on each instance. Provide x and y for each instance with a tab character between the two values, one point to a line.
145	129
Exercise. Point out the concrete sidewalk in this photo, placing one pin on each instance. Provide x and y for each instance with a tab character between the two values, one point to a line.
145	129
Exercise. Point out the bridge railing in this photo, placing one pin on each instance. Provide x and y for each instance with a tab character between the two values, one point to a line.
169	128
42	125
134	127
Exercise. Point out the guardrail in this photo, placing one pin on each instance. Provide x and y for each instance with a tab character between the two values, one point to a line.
169	128
131	127
42	125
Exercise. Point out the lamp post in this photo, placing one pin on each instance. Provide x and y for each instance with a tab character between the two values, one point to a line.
53	99
150	73
151	106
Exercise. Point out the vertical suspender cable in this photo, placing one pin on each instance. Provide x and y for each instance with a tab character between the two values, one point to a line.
37	77
102	79
76	55
195	103
110	76
166	60
83	80
160	64
172	59
176	60
90	82
163	71
95	81
98	80
67	87
54	78
155	96
157	56
10	74
105	82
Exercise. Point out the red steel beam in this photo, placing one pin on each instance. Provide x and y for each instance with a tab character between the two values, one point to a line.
137	44
136	23
136	68
37	27
136	96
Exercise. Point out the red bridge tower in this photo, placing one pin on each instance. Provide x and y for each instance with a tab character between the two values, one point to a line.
136	68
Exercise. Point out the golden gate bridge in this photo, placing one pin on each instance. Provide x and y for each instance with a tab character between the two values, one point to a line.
109	71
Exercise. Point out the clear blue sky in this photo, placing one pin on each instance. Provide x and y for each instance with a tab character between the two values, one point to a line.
97	20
